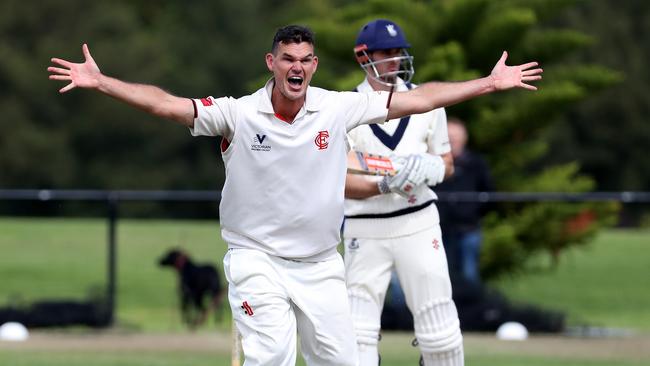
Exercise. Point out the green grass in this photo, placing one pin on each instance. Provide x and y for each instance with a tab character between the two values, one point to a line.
67	258
603	284
105	358
165	358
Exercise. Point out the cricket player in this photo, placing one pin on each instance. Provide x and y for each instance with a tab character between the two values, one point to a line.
284	153
393	224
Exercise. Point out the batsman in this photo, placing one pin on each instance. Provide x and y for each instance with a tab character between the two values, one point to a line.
392	224
284	151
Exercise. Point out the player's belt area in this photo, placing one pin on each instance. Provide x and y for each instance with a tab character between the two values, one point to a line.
385	215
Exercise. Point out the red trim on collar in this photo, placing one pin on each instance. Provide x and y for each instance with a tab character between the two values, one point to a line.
281	118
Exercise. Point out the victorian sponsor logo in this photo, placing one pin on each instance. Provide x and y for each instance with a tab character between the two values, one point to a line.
258	143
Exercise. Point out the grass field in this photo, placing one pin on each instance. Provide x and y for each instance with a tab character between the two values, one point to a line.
604	283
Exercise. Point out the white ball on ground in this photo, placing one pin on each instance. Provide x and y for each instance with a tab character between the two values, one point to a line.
12	331
512	331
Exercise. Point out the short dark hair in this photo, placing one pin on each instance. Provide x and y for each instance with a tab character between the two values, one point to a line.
292	34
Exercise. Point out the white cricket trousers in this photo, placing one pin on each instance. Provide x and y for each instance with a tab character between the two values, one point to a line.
274	298
421	266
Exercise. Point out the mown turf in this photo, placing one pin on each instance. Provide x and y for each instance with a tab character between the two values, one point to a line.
603	284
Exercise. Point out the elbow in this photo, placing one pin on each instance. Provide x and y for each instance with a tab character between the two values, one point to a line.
422	105
161	108
173	111
424	101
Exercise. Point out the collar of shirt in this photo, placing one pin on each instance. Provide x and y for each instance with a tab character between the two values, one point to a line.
312	102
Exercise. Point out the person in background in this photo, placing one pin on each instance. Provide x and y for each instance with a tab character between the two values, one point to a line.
461	221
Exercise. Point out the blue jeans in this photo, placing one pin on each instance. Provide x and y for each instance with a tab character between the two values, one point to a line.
463	253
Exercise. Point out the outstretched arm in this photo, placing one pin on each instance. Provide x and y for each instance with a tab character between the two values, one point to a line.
434	95
149	98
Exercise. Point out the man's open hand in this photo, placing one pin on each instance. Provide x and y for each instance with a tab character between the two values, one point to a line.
82	75
506	77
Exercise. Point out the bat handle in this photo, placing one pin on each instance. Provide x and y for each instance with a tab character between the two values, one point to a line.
235	350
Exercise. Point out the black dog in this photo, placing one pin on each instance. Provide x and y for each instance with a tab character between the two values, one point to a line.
195	283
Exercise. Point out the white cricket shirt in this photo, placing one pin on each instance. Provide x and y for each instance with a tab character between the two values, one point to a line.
284	187
426	132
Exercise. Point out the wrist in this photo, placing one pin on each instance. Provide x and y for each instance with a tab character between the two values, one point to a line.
383	186
102	83
490	84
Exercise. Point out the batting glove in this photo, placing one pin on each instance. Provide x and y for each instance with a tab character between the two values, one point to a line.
433	168
407	178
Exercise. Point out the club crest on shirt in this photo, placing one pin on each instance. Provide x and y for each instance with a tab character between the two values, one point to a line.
322	140
258	143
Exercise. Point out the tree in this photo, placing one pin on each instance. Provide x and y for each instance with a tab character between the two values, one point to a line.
609	133
462	39
193	48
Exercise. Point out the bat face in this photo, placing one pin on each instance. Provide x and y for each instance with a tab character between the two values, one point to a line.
370	164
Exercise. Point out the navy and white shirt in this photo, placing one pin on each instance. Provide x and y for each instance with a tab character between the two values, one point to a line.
419	133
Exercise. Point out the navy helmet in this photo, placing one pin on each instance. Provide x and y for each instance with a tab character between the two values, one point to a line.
382	34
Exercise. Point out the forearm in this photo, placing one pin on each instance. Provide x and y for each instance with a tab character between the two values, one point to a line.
449	164
444	94
432	95
150	99
358	187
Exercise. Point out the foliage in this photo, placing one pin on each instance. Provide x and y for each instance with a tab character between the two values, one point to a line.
461	39
609	133
82	140
201	47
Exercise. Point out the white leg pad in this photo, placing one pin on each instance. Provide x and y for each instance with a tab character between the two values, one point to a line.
366	318
437	330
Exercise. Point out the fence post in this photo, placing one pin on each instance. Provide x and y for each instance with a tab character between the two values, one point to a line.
112	202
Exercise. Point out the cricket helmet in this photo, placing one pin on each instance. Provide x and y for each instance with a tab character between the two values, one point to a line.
382	34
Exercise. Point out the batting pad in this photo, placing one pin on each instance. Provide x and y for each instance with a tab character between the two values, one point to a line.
437	330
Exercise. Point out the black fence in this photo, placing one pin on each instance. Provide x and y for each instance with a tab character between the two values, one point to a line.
112	200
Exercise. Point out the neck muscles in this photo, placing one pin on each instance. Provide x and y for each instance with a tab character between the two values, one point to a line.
284	106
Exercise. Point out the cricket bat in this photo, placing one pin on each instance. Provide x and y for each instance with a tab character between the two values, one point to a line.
370	164
235	349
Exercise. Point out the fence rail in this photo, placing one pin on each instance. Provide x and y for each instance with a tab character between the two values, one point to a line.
112	198
187	196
